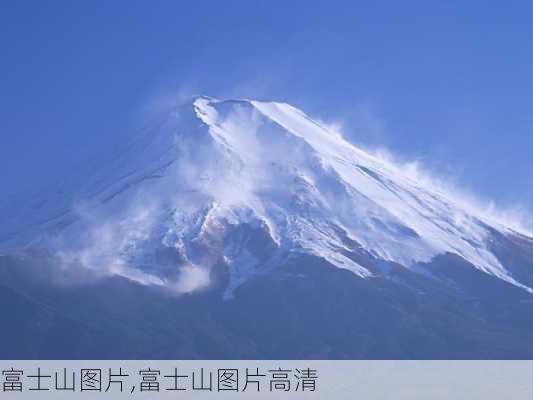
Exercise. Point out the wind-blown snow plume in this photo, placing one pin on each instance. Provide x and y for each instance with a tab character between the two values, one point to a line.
242	185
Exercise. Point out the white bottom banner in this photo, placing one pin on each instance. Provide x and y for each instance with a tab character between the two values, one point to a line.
249	379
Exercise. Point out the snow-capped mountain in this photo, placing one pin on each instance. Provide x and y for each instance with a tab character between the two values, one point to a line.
245	185
288	241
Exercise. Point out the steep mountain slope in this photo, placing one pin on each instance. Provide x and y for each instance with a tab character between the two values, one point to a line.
306	308
245	229
244	186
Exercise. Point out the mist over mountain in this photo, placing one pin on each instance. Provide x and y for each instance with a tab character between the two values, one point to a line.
246	229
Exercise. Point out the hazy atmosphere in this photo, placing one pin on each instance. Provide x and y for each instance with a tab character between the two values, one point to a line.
448	84
298	180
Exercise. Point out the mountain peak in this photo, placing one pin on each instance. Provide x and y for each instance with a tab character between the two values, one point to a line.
241	185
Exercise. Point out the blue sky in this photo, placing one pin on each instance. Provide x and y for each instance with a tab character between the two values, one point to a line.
448	83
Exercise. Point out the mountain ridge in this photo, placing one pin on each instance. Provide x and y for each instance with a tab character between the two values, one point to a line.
243	184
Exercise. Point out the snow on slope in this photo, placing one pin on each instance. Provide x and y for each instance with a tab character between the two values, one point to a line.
244	184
